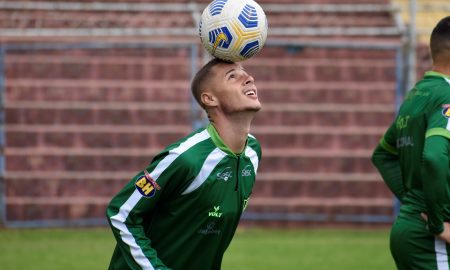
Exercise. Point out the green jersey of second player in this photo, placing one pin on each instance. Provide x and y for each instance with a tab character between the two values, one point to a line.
182	211
424	113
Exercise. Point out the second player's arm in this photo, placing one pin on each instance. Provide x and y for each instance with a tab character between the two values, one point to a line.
385	159
434	179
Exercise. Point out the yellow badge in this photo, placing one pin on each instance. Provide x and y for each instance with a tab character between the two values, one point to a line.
145	187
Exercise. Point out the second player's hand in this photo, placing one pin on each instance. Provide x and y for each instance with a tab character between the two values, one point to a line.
445	234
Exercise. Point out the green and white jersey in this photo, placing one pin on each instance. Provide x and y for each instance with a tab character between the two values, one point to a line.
424	113
182	211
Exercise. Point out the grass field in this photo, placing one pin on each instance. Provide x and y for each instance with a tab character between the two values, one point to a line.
251	249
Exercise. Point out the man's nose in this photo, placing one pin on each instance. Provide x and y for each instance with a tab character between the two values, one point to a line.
249	80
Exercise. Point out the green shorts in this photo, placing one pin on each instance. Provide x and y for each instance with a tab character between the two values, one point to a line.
414	247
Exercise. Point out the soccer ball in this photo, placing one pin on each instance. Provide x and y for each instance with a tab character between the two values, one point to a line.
233	30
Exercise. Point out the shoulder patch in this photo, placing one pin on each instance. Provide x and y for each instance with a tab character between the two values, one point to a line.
145	186
446	110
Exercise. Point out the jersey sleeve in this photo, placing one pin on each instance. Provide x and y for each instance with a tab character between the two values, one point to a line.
136	202
388	141
385	159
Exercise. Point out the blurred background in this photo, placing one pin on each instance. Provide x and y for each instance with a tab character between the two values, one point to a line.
92	90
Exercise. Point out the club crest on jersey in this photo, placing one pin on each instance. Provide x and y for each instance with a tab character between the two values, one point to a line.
145	187
225	174
446	110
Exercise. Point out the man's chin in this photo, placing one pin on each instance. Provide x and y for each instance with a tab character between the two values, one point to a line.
255	108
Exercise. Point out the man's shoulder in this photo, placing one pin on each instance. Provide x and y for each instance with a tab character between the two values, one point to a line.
188	142
436	86
253	143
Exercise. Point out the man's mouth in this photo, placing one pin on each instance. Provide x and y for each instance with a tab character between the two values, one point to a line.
250	92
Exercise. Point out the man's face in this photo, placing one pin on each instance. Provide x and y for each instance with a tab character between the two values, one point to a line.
234	88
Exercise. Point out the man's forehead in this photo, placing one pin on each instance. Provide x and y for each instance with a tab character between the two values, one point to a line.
224	68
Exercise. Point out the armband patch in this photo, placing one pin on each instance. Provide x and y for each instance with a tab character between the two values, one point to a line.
145	187
446	110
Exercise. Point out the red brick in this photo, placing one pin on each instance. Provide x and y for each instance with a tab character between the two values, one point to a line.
97	140
21	139
132	140
63	139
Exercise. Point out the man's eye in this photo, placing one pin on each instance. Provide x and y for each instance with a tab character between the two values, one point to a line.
231	76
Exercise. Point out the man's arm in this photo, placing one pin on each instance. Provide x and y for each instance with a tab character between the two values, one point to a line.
136	202
434	179
386	161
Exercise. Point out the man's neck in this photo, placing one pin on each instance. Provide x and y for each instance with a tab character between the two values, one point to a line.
444	69
233	130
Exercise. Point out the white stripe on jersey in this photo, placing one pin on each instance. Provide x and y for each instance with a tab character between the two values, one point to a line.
448	121
208	166
249	152
118	221
441	254
448	80
174	153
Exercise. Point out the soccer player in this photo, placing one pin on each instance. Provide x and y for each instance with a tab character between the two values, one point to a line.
181	212
413	159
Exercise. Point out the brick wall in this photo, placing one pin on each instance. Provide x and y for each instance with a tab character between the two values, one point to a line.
80	123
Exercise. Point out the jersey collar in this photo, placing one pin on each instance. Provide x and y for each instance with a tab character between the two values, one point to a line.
219	142
437	74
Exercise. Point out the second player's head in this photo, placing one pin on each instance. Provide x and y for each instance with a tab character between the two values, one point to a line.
440	42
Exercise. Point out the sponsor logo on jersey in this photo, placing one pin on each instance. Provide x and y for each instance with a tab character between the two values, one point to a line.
215	213
210	229
247	171
145	187
446	110
402	121
226	174
405	141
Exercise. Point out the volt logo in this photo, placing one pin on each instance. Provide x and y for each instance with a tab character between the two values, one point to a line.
216	212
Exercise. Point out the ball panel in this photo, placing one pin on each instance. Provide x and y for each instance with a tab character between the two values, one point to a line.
216	7
249	17
250	49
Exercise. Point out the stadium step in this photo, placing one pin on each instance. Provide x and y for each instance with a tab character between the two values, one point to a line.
337	92
100	183
121	136
283	212
85	159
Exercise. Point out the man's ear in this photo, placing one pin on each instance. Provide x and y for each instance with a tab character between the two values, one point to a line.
208	99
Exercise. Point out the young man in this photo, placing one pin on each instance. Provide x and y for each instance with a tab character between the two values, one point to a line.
181	212
413	159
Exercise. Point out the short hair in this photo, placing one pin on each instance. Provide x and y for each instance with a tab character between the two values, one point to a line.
202	76
440	38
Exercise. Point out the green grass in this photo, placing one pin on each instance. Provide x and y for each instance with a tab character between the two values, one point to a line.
251	249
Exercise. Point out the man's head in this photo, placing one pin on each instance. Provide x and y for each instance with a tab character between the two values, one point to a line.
440	42
225	86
